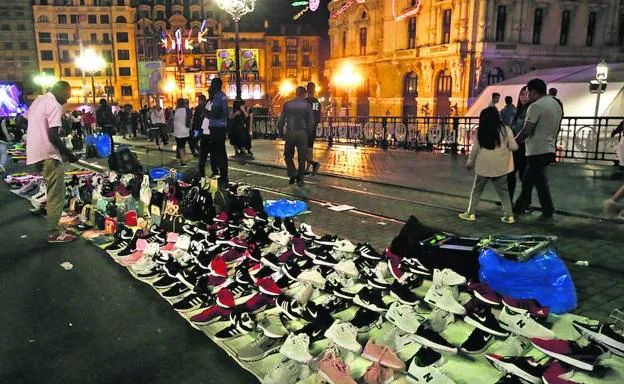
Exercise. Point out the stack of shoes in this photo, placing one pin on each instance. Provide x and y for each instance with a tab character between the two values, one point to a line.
443	292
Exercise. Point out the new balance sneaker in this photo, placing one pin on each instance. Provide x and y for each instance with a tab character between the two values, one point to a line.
426	374
443	297
526	305
371	299
447	277
483	319
285	372
365	319
523	324
333	370
272	326
432	339
367	251
344	335
603	334
290	308
312	276
514	346
241	325
572	353
348	268
258	349
297	348
524	367
268	286
484	293
211	315
191	302
383	355
404	317
477	342
403	293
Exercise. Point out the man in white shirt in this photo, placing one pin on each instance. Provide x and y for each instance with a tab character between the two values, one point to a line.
45	150
541	127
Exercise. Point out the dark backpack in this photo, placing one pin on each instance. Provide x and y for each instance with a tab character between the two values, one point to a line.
125	161
91	152
77	143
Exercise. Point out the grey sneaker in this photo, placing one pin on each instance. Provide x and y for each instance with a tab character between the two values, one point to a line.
440	319
514	346
285	372
272	326
259	349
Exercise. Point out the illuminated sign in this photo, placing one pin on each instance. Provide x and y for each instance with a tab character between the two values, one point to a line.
345	7
413	11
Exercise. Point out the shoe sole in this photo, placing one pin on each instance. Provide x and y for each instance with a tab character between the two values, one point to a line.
601	339
474	323
566	359
211	321
485	300
512	369
377	360
464	350
438	347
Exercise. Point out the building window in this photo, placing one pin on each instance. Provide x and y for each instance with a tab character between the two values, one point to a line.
537	25
306	61
9	45
446	27
501	21
23	45
362	41
591	29
104	19
291	59
565	26
291	72
45	37
43	19
123	54
92	19
62	19
411	33
77	72
73	19
275	61
306	74
108	55
108	72
275	73
64	56
106	38
121	20
121	3
126	90
306	45
47	55
344	43
67	72
124	71
122	37
495	76
94	37
49	71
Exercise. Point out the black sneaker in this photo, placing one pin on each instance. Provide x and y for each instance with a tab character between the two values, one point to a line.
291	269
176	290
289	225
241	325
264	272
327	240
172	267
154	272
525	368
161	257
426	357
402	293
122	241
316	251
325	258
271	261
253	252
239	290
603	334
432	339
338	290
477	342
192	302
314	333
165	282
367	251
290	307
284	282
370	298
366	319
131	247
414	265
335	304
362	263
318	315
483	319
370	278
243	277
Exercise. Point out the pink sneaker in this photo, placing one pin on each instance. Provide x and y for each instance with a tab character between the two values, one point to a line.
484	293
377	374
526	305
130	260
334	370
556	373
383	355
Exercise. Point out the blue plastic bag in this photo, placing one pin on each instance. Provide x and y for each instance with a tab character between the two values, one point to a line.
544	278
159	173
89	140
285	208
103	145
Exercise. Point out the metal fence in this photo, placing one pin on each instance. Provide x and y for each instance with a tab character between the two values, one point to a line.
581	139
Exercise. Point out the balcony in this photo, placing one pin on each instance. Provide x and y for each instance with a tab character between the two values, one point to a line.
67	42
291	48
276	48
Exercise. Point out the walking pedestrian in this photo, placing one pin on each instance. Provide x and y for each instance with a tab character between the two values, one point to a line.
181	129
237	128
495	100
196	126
106	121
519	156
491	158
158	120
316	110
614	206
508	112
46	150
248	134
214	133
5	138
553	92
298	117
539	133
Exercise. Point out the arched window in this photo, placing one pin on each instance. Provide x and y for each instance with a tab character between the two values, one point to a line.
410	85
43	19
120	20
495	76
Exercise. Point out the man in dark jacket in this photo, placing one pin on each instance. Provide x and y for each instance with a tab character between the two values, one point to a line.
316	110
197	123
106	120
298	116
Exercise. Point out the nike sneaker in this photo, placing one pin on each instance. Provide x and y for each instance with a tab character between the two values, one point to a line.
344	335
367	251
603	334
524	367
432	339
477	342
382	354
405	317
365	319
447	277
371	299
570	352
484	293
483	319
297	348
443	297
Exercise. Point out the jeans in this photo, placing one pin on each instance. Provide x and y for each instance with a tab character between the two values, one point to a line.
218	153
296	139
500	184
54	178
4	148
535	175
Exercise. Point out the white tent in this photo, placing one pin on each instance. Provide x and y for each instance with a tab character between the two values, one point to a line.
573	86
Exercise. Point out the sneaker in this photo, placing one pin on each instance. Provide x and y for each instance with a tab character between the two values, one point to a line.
557	373
414	266
404	317
297	348
318	315
190	303
514	346
432	339
467	216
291	270
327	240
427	357
403	293
241	325
338	290
344	246
61	238
526	305
218	267
367	251
333	370
440	319
371	299
508	220
258	349
233	256
477	342
378	374
524	367
210	315
484	293
365	319
447	277
125	236
297	246
325	258
312	276
372	278
177	290
282	237
285	372
483	319
344	335
165	282
443	298
524	325
225	298
272	326
304	293
268	286
572	353
273	261
383	355
306	232
348	268
603	334
426	374
290	308
509	379
334	304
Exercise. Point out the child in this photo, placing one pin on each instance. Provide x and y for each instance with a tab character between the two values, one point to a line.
491	158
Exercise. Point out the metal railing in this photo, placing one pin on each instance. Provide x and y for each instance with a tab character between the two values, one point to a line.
580	139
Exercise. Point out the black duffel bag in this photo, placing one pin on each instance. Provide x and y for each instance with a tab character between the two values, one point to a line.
125	161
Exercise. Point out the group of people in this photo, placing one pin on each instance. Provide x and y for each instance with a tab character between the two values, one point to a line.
521	141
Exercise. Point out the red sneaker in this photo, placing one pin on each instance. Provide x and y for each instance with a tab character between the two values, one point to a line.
225	298
526	305
570	352
211	315
218	267
297	246
222	217
287	254
556	373
233	256
394	264
258	302
61	238
268	286
484	293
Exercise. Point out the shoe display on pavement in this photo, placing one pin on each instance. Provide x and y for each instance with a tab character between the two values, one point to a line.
344	335
483	319
382	354
569	352
447	277
297	348
477	342
258	349
426	374
191	302
333	370
285	372
211	315
405	317
442	297
272	326
371	299
603	334
523	324
241	324
367	251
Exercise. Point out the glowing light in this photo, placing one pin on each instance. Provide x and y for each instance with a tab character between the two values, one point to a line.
200	36
299	3
345	7
44	80
298	15
237	8
314	5
414	11
188	44
347	77
89	61
286	87
9	99
170	86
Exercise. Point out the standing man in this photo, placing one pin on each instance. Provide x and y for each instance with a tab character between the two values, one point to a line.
495	100
159	121
196	125
44	150
298	116
553	92
106	120
508	112
316	110
539	132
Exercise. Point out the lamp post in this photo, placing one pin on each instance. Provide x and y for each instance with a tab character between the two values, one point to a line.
90	62
45	81
599	86
237	9
347	78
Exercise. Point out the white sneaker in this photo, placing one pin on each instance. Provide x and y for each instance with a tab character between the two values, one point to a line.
183	242
306	231
282	237
404	317
429	375
151	249
304	293
440	319
344	246
347	267
145	264
514	346
443	298
523	324
447	277
285	372
344	335
296	347
313	277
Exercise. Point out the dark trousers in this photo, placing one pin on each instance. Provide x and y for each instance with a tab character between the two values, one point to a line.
108	130
535	175
520	163
161	134
296	139
218	153
204	149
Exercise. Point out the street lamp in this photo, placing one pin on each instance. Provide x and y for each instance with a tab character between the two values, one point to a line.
90	62
348	78
170	87
286	87
237	9
599	86
45	81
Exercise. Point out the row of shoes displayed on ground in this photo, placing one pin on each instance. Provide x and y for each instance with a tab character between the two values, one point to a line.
221	277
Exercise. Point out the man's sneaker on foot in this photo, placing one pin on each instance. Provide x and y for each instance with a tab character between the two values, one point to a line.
508	220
